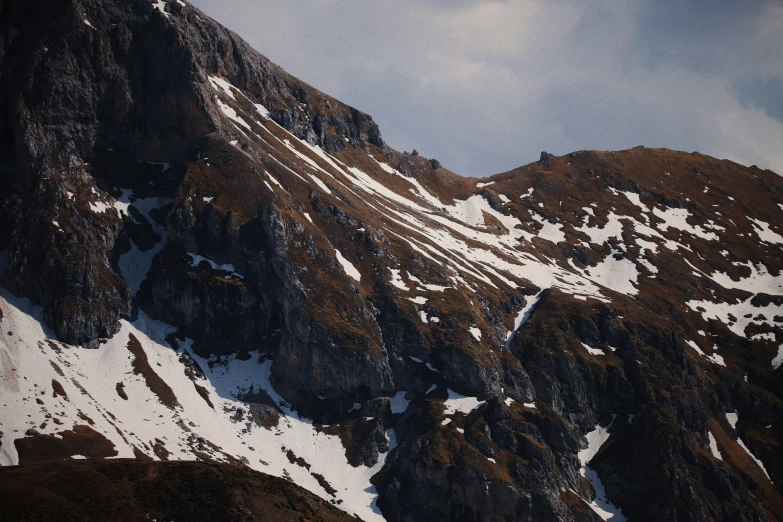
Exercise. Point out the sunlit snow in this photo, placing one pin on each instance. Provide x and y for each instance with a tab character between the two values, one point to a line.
89	378
460	403
714	446
600	504
196	259
348	266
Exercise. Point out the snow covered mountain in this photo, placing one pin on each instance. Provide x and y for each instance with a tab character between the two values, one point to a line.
204	258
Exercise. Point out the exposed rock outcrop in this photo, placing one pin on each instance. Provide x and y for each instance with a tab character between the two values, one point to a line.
154	167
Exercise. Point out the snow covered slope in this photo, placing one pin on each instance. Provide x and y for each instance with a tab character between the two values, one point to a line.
147	397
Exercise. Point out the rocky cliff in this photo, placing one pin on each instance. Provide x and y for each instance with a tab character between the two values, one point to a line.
592	335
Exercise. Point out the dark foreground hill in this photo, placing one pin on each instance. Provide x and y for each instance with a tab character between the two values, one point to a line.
140	490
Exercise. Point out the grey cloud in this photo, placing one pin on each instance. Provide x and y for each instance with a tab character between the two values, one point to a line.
763	93
699	35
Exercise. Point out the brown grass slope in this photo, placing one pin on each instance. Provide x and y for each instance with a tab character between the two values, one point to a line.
135	490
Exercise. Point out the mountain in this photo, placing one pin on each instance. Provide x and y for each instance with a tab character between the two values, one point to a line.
204	258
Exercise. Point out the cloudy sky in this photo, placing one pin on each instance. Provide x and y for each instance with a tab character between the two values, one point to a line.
484	87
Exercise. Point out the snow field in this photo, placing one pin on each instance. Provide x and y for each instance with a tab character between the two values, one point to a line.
143	419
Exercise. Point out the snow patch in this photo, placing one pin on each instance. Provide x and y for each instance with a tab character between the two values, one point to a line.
599	235
460	403
696	347
619	275
778	360
136	263
549	231
765	233
677	218
160	5
522	317
600	504
398	403
714	446
196	259
348	266
634	198
757	461
759	280
717	359
232	115
475	332
732	418
220	84
262	111
593	351
397	280
320	183
273	180
737	316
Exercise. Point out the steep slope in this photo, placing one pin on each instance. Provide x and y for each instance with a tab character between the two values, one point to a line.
254	277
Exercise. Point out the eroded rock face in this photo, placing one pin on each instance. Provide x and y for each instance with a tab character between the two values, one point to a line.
152	163
75	92
68	274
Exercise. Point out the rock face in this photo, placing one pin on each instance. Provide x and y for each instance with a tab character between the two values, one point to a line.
75	93
592	333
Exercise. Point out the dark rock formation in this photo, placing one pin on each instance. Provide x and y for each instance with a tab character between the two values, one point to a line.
72	91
